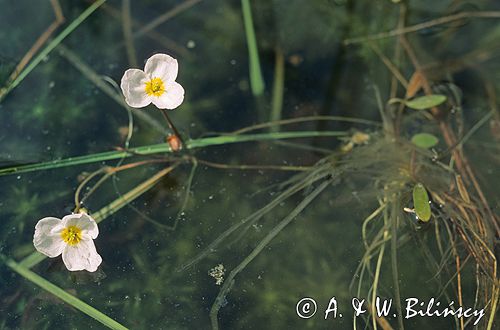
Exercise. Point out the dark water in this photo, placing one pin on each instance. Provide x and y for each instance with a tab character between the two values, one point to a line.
58	112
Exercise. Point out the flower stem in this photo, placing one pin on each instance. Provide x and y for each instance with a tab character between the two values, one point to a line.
171	126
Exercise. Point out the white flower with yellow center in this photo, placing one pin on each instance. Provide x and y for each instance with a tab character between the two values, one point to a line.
155	84
73	237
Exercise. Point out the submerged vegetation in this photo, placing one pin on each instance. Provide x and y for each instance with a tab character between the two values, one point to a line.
359	159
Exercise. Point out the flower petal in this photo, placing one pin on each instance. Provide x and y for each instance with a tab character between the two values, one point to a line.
81	256
85	222
47	238
172	98
162	66
134	88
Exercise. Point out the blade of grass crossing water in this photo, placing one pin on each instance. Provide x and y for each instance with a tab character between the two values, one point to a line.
278	88
63	295
256	80
164	148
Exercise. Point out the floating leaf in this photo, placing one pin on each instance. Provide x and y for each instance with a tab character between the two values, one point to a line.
421	202
426	102
462	190
424	140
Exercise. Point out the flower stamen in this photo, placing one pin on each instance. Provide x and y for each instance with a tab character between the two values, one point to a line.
72	235
155	87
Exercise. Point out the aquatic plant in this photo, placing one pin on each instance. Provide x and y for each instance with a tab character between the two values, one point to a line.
72	237
368	143
155	84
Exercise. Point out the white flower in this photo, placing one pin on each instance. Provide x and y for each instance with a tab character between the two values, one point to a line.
73	237
155	84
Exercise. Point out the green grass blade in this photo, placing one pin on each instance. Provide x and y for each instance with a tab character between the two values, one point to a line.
32	260
53	44
63	295
278	88
164	148
256	80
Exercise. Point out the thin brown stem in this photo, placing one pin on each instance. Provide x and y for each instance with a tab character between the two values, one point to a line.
388	63
172	126
108	172
397	50
424	25
153	35
165	17
300	120
254	167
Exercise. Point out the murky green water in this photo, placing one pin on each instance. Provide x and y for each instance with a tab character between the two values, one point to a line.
70	105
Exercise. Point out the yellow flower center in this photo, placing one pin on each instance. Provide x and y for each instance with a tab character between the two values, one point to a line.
72	235
155	87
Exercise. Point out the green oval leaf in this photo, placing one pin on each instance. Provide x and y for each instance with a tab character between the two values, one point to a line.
426	102
421	202
424	140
